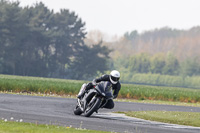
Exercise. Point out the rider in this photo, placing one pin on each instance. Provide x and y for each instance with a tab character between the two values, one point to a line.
113	78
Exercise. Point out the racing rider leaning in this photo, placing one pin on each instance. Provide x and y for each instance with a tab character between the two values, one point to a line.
113	78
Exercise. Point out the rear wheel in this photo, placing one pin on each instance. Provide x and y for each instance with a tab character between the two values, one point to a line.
92	107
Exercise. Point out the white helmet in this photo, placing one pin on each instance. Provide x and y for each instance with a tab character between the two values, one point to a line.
114	76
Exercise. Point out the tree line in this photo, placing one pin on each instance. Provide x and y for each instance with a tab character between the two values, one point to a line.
157	64
182	43
168	54
36	41
159	69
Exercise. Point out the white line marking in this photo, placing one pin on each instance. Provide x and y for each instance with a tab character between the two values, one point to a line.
123	117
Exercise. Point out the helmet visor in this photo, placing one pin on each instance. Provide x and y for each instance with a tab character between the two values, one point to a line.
114	78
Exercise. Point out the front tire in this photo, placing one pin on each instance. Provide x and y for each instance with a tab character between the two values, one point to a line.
77	110
93	108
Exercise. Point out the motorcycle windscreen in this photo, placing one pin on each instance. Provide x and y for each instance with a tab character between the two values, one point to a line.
106	87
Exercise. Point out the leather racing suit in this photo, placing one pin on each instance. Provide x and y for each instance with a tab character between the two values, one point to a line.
115	87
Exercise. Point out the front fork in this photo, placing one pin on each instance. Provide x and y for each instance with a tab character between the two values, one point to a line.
103	102
83	104
80	105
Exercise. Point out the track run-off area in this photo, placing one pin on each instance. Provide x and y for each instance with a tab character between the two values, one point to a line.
59	111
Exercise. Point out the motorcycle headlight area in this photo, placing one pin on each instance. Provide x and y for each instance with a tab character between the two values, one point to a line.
103	94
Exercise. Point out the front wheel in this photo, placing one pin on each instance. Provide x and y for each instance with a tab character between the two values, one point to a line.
77	110
92	108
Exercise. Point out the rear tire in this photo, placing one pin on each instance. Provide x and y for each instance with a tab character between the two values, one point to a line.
94	108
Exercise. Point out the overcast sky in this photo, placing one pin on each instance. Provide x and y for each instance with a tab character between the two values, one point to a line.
115	17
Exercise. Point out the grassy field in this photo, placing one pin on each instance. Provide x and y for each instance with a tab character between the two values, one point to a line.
181	118
37	84
143	92
177	103
16	127
158	94
71	87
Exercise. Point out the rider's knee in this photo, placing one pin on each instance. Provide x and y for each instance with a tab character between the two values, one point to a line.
110	104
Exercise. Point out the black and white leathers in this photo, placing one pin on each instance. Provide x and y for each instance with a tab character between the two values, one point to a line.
116	87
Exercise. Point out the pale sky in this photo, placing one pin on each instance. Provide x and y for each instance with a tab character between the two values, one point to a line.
115	17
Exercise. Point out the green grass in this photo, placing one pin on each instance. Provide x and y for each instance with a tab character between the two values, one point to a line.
16	127
71	87
177	103
146	94
143	92
37	84
181	118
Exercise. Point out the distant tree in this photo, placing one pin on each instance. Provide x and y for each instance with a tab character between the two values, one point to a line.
90	61
94	37
35	41
157	63
190	67
131	36
67	34
172	65
10	26
139	63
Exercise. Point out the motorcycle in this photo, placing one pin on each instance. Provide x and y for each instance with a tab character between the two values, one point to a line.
94	99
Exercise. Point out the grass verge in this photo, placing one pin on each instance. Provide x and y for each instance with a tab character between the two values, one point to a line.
16	127
181	118
160	102
49	86
145	92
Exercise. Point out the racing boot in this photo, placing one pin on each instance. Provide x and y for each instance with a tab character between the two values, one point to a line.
82	91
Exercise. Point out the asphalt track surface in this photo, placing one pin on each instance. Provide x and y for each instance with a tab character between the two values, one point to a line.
59	111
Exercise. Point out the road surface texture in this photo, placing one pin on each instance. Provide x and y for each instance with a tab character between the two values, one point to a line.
59	111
